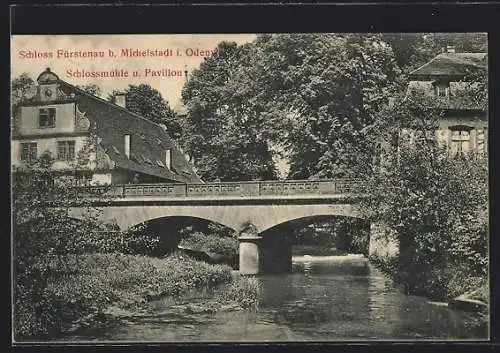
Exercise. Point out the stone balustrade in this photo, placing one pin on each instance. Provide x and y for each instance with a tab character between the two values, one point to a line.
241	189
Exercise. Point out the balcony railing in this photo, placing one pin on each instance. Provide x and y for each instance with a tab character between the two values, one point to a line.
228	189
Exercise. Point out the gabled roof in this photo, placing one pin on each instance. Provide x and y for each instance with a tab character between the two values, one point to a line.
450	65
148	142
47	77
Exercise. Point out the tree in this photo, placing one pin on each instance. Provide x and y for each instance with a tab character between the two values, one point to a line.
327	89
91	88
22	87
311	96
148	102
413	50
436	205
225	137
49	244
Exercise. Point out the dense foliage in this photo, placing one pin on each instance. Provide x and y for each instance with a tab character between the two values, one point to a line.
90	287
305	97
214	243
413	50
70	273
45	232
337	234
311	100
21	88
148	102
225	135
91	88
436	205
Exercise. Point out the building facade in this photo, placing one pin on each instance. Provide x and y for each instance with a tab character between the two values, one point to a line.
450	79
97	141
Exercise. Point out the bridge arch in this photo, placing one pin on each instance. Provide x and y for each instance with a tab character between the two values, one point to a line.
184	220
127	217
262	216
292	215
308	219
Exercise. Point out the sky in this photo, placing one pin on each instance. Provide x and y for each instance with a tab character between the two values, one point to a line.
34	53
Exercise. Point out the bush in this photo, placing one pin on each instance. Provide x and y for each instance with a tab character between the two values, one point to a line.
244	290
91	283
437	205
227	246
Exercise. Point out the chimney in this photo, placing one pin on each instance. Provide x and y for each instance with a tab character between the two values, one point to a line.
450	48
127	146
120	99
168	159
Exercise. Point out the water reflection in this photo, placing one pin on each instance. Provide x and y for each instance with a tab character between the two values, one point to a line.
321	300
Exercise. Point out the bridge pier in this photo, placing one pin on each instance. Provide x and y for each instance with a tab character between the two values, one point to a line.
250	258
276	252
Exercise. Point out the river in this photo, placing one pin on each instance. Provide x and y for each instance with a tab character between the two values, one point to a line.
323	299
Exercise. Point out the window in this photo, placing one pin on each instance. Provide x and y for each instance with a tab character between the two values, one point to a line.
47	117
29	151
485	140
84	179
460	140
65	150
482	136
442	137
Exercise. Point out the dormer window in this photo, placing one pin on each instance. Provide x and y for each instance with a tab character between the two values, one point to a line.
442	89
46	117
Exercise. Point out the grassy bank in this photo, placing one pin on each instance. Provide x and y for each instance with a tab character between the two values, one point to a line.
81	292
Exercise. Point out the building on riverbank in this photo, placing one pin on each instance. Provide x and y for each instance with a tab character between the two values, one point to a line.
122	147
452	79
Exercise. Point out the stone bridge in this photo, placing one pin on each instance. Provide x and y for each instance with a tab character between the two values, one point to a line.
260	205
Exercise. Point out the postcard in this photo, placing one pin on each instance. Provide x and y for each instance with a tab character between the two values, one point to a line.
293	187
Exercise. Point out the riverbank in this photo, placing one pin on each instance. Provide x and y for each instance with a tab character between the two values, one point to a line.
324	302
455	288
97	289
